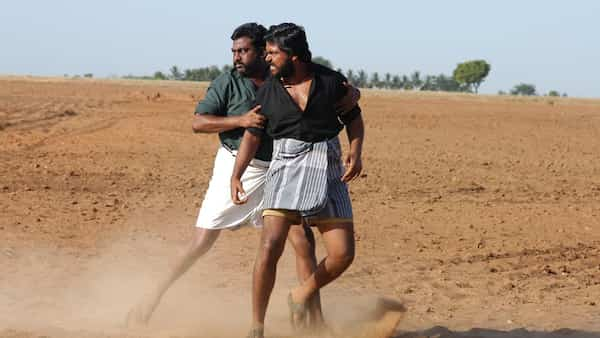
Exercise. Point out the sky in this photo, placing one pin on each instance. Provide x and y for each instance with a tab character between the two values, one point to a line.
554	45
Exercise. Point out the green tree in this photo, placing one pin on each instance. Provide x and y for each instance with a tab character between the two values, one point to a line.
525	89
375	82
472	73
406	83
430	83
396	82
387	83
188	75
448	84
362	79
553	93
159	75
322	61
415	79
175	73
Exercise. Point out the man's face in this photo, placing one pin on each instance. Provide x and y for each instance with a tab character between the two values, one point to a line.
280	62
246	59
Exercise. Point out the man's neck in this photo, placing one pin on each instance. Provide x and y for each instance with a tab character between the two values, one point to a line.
259	77
302	73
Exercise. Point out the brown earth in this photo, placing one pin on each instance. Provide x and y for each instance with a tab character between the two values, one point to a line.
481	213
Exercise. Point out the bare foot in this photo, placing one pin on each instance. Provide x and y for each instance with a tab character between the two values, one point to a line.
298	313
257	332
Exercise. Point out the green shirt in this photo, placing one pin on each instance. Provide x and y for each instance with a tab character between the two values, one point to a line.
231	94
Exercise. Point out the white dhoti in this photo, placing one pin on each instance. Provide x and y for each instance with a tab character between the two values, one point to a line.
217	210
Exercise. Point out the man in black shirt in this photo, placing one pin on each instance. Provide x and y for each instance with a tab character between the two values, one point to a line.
306	181
227	109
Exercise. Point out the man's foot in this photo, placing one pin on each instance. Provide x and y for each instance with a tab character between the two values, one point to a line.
140	314
315	315
298	313
256	333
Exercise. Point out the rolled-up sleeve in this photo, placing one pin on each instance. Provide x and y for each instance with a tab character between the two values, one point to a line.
340	89
351	115
216	98
256	131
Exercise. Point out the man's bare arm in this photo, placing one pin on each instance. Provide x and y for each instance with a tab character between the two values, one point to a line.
245	154
353	160
207	123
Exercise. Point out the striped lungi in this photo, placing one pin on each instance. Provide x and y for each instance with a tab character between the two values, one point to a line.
306	177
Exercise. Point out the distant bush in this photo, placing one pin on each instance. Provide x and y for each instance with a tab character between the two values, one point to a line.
160	75
524	89
553	93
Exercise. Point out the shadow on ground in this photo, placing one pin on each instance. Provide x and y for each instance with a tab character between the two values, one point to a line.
442	332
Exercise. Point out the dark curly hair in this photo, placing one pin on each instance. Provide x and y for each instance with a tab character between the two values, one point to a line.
291	39
254	32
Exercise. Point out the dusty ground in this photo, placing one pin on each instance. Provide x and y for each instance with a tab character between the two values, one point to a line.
481	213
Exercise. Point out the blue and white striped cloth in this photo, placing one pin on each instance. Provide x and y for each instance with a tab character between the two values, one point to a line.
306	177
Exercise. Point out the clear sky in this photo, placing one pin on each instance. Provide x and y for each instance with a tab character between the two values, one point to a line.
552	44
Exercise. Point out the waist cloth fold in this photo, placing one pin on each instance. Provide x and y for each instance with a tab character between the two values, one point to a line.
306	177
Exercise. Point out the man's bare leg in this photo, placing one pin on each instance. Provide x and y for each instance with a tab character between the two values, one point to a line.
339	243
272	242
303	241
203	240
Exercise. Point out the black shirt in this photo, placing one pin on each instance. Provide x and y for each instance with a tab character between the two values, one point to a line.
319	122
232	94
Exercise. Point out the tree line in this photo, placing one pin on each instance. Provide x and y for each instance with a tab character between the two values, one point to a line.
466	77
193	74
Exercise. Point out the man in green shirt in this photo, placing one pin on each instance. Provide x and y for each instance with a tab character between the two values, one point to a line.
227	109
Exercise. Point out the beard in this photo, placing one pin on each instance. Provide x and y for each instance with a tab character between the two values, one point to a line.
247	69
286	70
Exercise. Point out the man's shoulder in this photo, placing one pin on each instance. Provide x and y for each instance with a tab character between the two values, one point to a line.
327	72
217	95
223	80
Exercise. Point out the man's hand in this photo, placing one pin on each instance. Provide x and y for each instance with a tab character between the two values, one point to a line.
246	152
353	164
349	101
252	119
238	195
